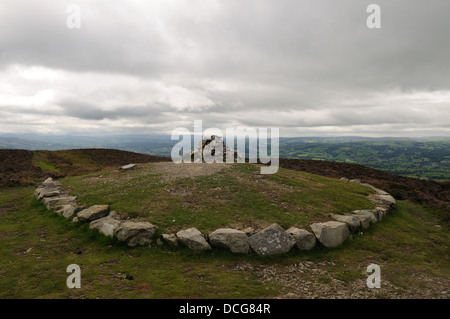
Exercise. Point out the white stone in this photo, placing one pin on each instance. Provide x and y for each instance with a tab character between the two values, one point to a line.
193	239
234	240
331	234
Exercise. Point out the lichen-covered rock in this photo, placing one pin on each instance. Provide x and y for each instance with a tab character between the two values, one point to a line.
92	213
305	240
106	225
135	233
271	241
353	222
331	234
193	239
234	240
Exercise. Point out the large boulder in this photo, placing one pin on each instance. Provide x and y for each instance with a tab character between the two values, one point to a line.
305	240
93	213
170	239
353	222
52	202
331	234
193	239
366	216
234	240
271	241
135	233
106	225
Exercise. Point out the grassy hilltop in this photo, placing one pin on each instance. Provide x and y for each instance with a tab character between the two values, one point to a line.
410	244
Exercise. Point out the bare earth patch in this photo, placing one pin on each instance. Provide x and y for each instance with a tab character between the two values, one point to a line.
316	280
170	171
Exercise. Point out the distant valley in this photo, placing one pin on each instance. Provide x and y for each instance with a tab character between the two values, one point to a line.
419	158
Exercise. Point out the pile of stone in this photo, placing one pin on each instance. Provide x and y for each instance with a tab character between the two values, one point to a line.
214	146
133	233
271	240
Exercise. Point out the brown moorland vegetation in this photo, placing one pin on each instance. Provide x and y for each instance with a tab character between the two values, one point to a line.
21	167
430	193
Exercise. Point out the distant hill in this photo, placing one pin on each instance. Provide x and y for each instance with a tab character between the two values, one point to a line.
424	158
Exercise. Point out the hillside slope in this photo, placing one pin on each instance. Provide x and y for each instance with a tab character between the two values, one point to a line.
431	193
19	167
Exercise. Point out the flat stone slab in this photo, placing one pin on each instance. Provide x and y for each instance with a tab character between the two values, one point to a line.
93	213
331	234
193	239
53	202
135	233
305	240
129	166
233	240
272	240
42	192
353	222
106	225
49	182
377	190
383	200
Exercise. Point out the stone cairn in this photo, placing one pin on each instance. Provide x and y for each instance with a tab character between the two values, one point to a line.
216	147
268	241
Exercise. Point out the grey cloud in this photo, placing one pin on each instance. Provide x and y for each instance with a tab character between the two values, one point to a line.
284	56
87	111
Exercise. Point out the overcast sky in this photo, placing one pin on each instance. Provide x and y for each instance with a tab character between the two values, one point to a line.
311	68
